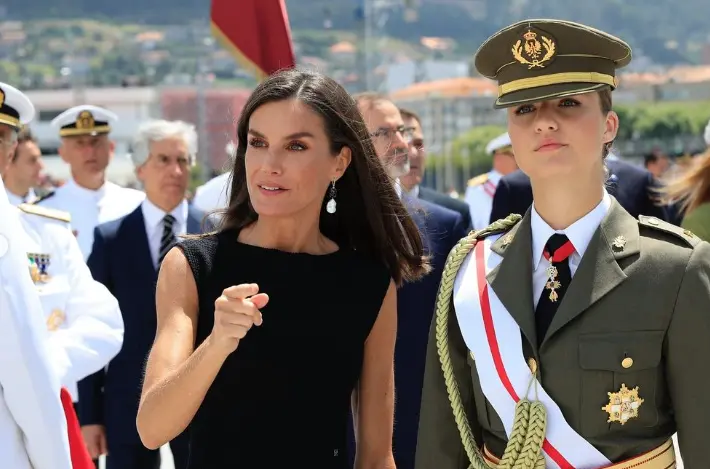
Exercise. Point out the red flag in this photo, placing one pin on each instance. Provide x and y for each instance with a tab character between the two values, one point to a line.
256	32
80	458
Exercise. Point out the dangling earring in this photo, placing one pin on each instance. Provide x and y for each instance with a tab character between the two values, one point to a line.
330	206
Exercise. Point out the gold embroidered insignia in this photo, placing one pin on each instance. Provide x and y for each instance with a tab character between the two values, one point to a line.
85	120
533	53
55	319
619	242
507	240
623	405
2	98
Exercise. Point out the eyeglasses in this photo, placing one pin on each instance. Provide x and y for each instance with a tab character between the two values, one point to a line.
389	133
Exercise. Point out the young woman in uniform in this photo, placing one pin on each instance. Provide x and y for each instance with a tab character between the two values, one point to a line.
571	336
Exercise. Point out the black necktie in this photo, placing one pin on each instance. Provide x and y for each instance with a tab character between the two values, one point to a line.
168	238
557	251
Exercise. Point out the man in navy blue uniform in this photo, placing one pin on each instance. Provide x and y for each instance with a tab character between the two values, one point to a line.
441	229
126	257
633	187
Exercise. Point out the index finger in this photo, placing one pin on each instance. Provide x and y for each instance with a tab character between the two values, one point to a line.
239	292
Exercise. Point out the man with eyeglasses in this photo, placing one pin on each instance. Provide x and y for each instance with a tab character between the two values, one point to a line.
441	229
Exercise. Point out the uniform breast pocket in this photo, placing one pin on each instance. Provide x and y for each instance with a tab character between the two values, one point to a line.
487	416
627	365
54	295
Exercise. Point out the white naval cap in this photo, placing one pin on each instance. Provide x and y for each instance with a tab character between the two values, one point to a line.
16	109
498	143
84	120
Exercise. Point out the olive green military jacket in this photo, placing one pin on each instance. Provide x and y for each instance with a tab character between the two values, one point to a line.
648	300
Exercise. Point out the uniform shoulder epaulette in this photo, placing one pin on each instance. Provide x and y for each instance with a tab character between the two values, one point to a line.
478	180
656	223
45	212
44	197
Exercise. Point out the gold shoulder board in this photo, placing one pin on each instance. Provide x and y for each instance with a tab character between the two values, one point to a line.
656	223
478	180
45	212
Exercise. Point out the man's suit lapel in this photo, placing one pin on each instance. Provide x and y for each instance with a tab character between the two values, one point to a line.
599	271
137	241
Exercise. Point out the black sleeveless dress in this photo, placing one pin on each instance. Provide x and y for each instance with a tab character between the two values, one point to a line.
282	398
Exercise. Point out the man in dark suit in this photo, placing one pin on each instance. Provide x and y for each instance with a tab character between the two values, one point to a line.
633	187
417	164
126	257
441	229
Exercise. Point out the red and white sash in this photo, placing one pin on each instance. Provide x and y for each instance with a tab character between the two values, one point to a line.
493	336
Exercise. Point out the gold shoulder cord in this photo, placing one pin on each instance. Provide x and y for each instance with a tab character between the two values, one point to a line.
524	449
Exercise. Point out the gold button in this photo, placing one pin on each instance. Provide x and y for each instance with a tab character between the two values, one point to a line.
627	362
688	233
653	220
533	365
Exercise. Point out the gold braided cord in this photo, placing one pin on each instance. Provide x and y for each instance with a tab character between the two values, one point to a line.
524	449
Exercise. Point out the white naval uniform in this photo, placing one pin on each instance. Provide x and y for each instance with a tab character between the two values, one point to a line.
33	426
89	208
214	194
83	317
17	200
479	197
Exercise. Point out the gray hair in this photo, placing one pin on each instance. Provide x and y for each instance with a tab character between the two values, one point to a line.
159	130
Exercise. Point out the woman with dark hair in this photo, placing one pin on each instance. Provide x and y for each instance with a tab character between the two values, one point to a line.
311	249
565	338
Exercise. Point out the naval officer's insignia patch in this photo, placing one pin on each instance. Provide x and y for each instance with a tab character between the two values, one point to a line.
623	405
39	263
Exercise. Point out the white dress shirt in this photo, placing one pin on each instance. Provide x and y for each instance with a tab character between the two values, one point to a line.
153	217
579	233
17	200
33	427
89	208
83	317
480	200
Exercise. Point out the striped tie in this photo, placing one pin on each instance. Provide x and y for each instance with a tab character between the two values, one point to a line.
168	238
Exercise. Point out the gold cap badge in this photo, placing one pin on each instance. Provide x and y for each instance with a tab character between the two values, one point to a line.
85	120
2	98
535	53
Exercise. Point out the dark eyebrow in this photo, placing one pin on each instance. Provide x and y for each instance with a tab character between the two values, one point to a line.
294	136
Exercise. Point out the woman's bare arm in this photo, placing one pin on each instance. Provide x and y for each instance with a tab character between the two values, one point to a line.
177	376
374	403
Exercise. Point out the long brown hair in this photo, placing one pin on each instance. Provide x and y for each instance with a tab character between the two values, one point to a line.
691	187
370	218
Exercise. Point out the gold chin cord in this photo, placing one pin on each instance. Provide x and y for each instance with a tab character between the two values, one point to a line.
524	449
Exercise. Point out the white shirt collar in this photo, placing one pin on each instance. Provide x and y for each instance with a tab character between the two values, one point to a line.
154	215
97	194
414	192
17	200
398	188
579	233
494	176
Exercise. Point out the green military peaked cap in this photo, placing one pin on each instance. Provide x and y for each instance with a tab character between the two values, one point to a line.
536	60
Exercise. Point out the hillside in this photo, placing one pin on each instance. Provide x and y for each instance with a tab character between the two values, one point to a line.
667	31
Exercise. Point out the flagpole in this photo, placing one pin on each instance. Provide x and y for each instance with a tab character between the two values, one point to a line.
203	135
